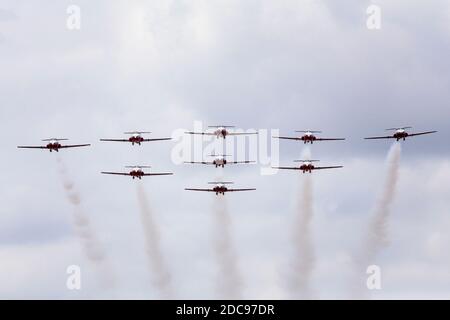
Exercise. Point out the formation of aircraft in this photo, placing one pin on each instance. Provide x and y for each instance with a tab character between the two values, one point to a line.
137	172
219	161
136	138
54	145
221	131
307	166
308	136
400	133
220	188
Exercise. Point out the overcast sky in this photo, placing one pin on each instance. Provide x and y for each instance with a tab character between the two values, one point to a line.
161	65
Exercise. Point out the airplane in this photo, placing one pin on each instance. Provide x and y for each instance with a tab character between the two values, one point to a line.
307	166
219	161
53	144
400	133
136	138
137	172
221	132
220	188
309	137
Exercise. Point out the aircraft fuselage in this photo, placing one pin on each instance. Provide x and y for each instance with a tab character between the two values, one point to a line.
54	145
400	134
221	133
136	139
219	162
220	190
307	167
137	173
308	138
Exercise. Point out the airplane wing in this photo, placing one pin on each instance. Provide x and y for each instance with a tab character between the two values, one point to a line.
383	137
289	138
329	139
332	167
74	146
117	173
420	133
206	190
237	162
240	133
157	139
158	174
116	140
202	133
235	190
31	147
198	162
287	168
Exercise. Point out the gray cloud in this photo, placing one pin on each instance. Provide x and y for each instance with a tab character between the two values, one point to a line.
261	64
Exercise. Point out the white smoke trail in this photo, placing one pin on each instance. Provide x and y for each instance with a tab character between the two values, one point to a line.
377	238
91	246
303	259
160	272
229	278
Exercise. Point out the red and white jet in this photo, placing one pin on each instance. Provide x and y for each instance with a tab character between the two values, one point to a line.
221	132
54	145
220	188
137	172
136	138
400	133
219	161
307	166
309	136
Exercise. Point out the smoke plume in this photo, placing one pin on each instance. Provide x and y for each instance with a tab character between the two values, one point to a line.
91	246
303	257
377	235
302	260
159	270
229	278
